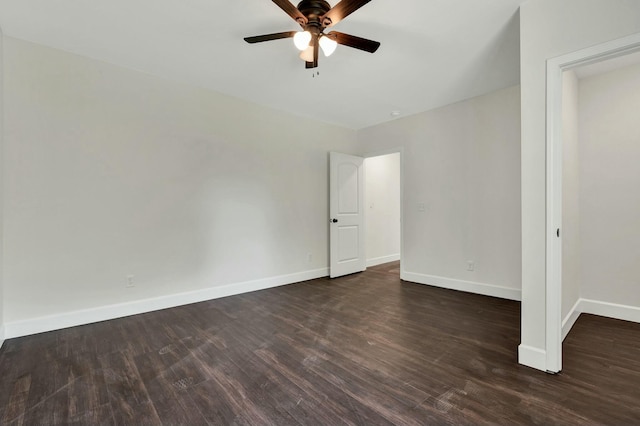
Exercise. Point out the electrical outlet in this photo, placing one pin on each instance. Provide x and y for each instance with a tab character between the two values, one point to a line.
309	257
470	265
130	282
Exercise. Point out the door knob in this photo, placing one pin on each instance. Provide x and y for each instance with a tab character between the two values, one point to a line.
334	220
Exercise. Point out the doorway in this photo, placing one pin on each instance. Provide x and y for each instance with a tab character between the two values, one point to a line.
555	232
365	211
383	209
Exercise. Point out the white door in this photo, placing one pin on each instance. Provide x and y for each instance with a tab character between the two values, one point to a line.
346	221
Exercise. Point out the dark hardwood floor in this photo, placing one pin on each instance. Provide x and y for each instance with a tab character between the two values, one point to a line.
365	349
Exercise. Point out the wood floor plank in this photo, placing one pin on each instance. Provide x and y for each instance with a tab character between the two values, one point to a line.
359	350
256	404
17	405
128	396
319	396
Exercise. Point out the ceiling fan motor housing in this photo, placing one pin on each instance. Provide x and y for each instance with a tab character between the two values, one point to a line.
314	10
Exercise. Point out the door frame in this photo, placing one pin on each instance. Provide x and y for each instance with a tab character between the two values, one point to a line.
380	153
555	67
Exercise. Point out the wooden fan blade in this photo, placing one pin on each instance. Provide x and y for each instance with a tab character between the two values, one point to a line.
268	37
291	10
354	41
341	11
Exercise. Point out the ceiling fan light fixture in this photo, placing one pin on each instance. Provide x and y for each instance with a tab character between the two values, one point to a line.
307	54
314	16
328	45
301	39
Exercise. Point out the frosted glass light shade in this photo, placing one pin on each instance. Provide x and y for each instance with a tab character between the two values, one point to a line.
328	45
301	39
307	54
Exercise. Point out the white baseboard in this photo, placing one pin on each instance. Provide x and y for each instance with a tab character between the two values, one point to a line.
103	313
383	259
571	318
1	336
603	309
610	310
532	357
461	285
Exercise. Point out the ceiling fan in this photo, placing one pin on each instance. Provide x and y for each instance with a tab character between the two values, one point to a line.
314	16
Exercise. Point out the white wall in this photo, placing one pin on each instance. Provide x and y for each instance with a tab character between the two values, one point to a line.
610	186
461	162
550	28
570	195
382	199
111	172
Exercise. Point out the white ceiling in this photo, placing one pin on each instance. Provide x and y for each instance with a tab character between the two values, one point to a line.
433	52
